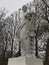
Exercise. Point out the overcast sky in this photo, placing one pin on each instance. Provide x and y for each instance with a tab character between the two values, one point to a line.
13	5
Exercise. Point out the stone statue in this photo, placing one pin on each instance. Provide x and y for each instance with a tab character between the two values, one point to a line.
27	34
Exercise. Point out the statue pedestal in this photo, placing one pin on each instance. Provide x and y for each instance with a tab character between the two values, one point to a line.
17	61
29	60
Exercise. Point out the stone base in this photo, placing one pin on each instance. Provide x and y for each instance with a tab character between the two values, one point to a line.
29	60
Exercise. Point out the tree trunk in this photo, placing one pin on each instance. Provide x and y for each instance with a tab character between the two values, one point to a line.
36	46
12	48
46	62
36	41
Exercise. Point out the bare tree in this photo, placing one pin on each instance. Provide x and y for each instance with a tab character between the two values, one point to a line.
42	10
12	26
2	27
